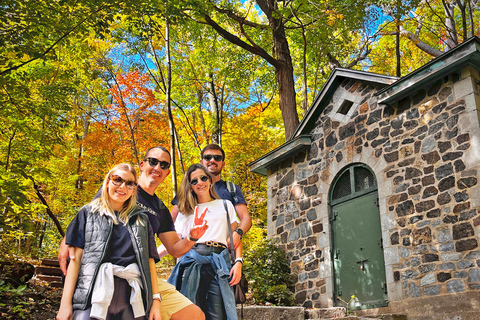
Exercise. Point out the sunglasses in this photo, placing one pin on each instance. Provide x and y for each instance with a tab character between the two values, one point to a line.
118	181
164	165
216	157
194	182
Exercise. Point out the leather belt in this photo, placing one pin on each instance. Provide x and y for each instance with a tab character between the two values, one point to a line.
209	247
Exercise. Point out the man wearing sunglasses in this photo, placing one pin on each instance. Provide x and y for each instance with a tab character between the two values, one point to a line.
154	169
213	158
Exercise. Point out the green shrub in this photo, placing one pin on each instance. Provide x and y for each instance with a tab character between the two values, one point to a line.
268	271
280	295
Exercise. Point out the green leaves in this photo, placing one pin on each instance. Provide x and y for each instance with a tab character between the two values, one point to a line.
268	269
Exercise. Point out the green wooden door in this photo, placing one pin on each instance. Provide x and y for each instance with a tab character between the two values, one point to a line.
359	267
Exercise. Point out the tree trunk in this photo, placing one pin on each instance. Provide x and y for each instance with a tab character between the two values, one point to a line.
452	39
283	68
282	61
200	114
471	30
86	125
397	45
287	103
171	124
9	149
305	84
180	158
214	106
463	7
397	52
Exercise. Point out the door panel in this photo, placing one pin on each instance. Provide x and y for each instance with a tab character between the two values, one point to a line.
359	266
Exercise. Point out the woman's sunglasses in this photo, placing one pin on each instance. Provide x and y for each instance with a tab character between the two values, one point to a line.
164	165
118	181
194	182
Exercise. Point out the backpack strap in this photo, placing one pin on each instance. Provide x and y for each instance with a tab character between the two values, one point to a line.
231	250
232	188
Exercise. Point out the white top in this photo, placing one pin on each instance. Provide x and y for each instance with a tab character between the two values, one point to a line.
216	220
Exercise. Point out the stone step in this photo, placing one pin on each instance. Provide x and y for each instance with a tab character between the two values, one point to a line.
49	271
50	262
49	278
460	315
325	313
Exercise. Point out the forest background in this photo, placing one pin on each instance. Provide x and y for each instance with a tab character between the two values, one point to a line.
87	84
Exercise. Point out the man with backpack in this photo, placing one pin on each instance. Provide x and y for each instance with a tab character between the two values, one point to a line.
213	158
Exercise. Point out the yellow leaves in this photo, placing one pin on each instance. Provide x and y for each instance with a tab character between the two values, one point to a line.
332	16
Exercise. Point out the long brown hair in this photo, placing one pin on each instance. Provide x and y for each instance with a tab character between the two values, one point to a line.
187	199
102	204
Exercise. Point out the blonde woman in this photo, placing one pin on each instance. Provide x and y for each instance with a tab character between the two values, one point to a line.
113	274
205	274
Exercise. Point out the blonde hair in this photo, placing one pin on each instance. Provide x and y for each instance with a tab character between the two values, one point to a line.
187	199
102	204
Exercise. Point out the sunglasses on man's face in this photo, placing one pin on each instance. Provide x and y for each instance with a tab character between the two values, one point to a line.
209	157
118	181
164	165
194	182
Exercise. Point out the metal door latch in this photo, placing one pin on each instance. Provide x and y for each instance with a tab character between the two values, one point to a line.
362	264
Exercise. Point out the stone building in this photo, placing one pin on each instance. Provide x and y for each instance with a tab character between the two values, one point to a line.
376	194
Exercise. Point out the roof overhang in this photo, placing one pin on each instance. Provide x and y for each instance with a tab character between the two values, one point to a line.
467	53
331	85
287	150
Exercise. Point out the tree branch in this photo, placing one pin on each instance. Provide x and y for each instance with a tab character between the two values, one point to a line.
44	202
242	20
239	42
53	45
420	44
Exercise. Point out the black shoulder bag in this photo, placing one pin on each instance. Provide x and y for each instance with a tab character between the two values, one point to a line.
241	288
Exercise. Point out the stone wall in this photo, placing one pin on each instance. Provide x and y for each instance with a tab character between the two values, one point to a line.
424	151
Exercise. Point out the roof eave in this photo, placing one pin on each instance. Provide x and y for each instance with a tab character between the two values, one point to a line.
287	150
468	53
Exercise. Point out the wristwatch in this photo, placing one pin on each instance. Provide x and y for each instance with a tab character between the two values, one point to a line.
239	259
239	231
157	296
192	239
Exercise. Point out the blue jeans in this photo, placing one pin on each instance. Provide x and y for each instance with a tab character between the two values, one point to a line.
221	293
215	308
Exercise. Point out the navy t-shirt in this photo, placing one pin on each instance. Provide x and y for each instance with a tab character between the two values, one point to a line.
120	247
223	193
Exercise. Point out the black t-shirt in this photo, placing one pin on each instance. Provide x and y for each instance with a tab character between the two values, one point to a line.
158	214
120	247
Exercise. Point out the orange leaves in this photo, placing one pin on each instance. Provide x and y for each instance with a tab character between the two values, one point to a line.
130	125
131	90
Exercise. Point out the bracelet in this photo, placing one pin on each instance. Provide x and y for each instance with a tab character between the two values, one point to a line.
192	239
157	296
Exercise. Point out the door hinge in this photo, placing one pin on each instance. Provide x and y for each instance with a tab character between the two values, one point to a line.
380	243
334	216
384	287
337	253
376	202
